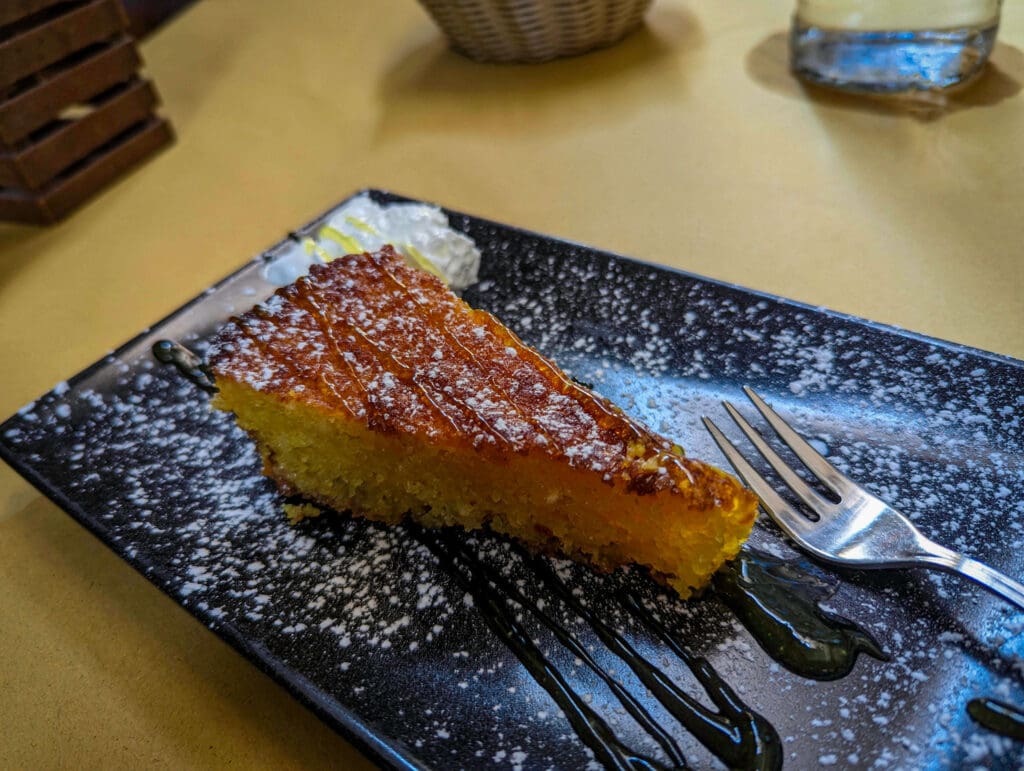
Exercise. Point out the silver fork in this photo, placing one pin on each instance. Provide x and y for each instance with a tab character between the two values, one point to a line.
860	531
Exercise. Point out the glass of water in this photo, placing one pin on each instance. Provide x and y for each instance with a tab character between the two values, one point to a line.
892	46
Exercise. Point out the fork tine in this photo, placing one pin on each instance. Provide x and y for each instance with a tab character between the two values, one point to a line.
828	474
804	492
795	524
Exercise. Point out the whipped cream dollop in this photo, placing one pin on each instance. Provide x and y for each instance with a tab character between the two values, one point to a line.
418	232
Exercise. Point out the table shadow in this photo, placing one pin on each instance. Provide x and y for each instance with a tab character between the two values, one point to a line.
768	64
430	88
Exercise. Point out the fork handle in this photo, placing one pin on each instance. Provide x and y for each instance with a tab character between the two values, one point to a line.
947	559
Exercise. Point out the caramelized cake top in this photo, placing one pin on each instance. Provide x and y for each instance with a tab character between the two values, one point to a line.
368	338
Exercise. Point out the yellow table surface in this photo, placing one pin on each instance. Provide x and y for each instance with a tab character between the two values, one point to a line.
688	144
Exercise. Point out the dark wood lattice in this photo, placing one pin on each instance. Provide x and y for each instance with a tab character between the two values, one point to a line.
74	112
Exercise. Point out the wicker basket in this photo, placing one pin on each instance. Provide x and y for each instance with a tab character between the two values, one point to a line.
533	30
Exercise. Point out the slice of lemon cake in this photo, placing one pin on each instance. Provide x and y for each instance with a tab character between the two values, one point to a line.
368	386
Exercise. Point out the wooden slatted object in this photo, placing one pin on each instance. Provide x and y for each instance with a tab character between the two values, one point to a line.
74	112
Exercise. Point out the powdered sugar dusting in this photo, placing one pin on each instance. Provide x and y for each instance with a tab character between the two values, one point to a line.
403	354
365	613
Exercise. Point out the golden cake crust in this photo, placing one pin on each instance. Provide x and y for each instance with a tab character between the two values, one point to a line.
370	387
375	341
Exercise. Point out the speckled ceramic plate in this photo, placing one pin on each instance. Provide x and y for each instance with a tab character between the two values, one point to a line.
400	650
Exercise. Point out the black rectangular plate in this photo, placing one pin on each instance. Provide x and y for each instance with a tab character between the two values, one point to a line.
363	625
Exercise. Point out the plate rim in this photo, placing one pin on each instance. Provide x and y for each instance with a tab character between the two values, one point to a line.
310	226
377	747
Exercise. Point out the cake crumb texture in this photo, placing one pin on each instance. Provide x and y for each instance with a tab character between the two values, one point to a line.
368	386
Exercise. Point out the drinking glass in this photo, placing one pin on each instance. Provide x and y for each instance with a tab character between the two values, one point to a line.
892	46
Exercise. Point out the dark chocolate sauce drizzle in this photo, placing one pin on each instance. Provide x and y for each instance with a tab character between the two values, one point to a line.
777	601
735	734
472	575
998	716
188	364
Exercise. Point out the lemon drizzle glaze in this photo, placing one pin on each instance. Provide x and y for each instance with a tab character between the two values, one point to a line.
246	329
262	312
403	371
447	332
565	386
608	411
647	458
303	300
